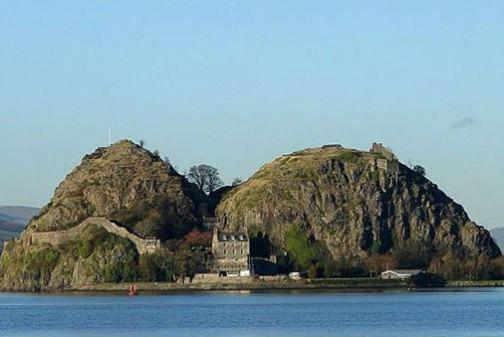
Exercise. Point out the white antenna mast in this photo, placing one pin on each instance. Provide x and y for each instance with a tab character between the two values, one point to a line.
110	135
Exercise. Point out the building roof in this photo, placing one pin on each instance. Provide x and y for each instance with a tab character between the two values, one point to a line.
405	271
237	236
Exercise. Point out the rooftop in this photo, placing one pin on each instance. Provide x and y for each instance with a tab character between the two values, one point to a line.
232	237
405	271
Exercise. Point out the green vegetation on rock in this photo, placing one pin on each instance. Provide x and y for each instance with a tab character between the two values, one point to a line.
353	204
298	245
123	183
329	211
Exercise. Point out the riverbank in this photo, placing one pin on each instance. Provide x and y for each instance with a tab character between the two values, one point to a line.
235	284
261	285
475	284
321	284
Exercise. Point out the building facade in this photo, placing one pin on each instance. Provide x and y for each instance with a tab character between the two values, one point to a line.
401	274
231	253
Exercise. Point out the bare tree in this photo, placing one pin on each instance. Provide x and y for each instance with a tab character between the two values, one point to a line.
206	177
156	153
166	160
142	143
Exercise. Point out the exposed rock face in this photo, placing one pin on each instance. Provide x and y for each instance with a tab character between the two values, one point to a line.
127	184
353	202
122	183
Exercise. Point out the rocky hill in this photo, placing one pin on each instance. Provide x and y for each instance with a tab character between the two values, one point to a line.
122	183
349	204
129	185
327	207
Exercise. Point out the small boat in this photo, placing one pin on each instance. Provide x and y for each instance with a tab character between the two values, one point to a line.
133	290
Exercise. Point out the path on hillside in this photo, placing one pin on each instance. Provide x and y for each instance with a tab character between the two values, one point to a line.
56	238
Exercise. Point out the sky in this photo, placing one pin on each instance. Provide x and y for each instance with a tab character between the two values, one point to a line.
235	84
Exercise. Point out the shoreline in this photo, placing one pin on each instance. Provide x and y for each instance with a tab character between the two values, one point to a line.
351	285
337	285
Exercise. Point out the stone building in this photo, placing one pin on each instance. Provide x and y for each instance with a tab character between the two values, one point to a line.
231	253
209	223
152	244
387	161
401	274
379	148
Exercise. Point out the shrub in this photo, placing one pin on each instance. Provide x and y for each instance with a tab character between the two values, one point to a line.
39	264
376	263
376	247
196	238
348	156
419	169
84	248
148	268
298	245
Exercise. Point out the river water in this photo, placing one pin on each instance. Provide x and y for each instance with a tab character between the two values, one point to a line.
475	313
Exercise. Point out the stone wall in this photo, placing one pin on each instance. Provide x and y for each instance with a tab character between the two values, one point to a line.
57	238
388	166
384	151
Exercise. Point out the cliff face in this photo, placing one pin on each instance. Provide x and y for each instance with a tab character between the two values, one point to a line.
129	185
353	203
122	183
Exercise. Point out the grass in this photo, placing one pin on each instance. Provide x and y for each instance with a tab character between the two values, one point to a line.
279	181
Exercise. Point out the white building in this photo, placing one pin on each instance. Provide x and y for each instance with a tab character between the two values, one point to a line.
401	274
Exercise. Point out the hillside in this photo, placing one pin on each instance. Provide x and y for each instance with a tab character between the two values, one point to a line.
121	185
340	206
339	211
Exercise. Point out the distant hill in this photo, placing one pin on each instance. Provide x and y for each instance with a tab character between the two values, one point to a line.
20	212
498	235
13	219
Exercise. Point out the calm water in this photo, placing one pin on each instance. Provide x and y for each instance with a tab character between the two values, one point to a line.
467	313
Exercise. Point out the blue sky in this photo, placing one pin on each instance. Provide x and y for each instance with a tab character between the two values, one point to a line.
237	83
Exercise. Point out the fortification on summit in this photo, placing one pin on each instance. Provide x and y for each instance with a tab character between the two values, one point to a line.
388	161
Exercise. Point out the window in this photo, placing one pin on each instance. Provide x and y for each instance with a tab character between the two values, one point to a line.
225	252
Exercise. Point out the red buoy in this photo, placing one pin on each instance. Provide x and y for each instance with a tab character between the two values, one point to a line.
133	290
